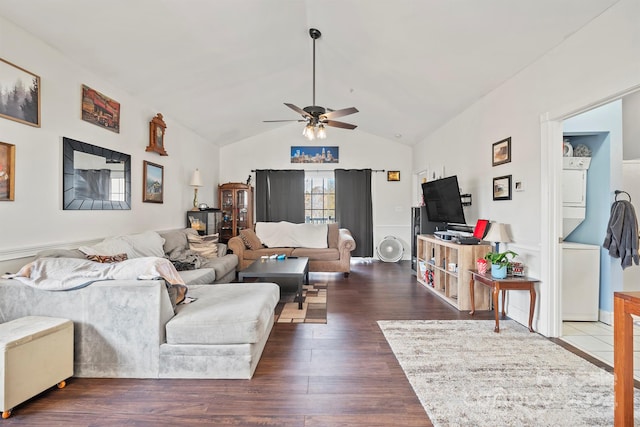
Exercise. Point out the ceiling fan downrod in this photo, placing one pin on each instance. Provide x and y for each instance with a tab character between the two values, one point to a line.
315	34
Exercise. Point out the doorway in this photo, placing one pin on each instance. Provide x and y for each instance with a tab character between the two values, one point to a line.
551	203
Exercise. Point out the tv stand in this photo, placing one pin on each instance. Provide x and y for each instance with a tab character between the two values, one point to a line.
443	268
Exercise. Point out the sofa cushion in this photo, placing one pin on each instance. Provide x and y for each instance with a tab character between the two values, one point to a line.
109	246
249	254
250	239
229	313
174	239
222	265
204	245
198	276
329	254
60	253
145	244
333	234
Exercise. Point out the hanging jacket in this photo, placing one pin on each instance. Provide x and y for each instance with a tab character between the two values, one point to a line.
622	233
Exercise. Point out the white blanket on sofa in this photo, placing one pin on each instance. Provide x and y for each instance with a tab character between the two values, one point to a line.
62	274
285	234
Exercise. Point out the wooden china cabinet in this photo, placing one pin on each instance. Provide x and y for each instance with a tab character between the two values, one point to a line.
236	204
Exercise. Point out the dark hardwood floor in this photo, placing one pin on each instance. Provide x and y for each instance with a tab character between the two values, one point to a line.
339	374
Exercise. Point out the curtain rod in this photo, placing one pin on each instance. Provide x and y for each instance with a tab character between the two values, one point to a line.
322	170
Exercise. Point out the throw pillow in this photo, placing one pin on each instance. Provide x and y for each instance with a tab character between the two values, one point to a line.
175	240
250	239
207	246
145	244
107	258
109	246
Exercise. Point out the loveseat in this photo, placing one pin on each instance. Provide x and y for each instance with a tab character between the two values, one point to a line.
327	246
129	328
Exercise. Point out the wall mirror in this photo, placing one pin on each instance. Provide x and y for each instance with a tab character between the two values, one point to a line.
95	178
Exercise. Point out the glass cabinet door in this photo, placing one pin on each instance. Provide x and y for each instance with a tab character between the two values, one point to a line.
226	224
242	198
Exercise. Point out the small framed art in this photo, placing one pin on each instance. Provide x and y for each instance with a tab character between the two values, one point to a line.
393	175
20	94
153	191
157	126
7	172
100	109
502	188
501	152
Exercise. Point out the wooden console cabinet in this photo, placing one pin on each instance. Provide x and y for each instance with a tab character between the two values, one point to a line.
443	267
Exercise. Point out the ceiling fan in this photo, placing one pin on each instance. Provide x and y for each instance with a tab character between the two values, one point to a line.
314	115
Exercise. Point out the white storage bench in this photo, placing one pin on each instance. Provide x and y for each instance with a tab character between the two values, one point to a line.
35	353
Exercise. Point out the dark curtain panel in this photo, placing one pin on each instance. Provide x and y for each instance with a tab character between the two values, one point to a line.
353	207
280	195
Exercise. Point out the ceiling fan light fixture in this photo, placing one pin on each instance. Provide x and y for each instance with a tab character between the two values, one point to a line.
321	133
309	132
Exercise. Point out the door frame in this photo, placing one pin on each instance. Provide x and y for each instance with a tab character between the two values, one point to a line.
551	202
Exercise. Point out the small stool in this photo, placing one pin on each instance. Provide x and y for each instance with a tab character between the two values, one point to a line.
35	353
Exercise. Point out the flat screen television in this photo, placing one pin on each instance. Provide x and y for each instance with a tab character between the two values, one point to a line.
442	200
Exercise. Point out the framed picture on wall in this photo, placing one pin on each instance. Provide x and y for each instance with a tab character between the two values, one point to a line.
7	172
501	152
502	188
153	179
20	94
100	109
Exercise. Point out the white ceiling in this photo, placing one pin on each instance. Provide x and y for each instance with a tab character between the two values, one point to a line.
221	67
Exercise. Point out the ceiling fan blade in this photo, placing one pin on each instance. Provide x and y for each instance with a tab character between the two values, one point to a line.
337	124
298	110
274	121
332	114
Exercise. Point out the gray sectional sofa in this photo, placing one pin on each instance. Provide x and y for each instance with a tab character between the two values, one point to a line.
130	329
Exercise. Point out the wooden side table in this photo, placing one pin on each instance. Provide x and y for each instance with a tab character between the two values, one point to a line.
624	305
497	285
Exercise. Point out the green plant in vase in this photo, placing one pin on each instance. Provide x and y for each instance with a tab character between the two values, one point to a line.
499	262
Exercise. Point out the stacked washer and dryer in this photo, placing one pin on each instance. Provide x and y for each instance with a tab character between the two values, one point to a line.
580	261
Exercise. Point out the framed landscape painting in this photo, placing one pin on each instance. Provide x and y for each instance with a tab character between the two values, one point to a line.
19	94
7	172
153	179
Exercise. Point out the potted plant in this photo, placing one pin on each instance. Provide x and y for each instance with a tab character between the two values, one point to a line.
499	262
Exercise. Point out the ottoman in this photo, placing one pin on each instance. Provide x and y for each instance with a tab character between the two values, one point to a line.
35	353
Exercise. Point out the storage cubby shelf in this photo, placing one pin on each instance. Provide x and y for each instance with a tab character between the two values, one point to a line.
443	267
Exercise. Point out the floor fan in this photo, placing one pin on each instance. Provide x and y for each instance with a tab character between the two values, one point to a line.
390	249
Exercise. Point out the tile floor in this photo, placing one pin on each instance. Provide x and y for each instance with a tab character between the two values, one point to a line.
596	338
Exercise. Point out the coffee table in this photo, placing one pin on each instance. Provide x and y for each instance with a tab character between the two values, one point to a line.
268	268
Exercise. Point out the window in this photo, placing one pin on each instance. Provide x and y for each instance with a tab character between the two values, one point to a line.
117	186
319	197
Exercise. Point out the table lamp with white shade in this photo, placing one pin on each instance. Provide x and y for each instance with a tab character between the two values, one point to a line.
498	234
196	181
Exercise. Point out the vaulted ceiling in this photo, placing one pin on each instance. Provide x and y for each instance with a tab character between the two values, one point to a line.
221	67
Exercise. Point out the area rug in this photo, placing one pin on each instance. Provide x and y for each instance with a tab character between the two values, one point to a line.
314	307
467	375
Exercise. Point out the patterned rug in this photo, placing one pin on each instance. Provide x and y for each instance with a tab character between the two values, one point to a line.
466	375
314	307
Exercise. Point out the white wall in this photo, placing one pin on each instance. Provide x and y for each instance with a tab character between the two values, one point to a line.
601	59
631	126
391	200
36	218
